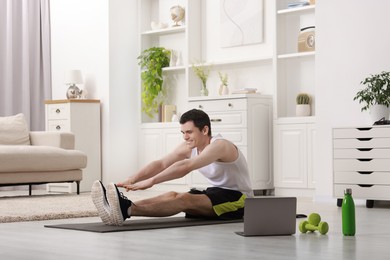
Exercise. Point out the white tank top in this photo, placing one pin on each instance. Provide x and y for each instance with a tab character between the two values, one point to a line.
228	175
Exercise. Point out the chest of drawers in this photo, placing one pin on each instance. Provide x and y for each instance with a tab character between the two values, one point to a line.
81	117
361	161
246	120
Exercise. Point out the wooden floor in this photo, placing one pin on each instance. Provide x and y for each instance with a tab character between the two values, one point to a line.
31	240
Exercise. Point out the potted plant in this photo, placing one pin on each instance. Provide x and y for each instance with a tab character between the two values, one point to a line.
376	95
223	88
303	105
202	72
152	61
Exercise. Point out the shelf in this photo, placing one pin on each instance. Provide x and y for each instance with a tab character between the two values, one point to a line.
297	10
295	120
169	30
233	62
296	55
174	69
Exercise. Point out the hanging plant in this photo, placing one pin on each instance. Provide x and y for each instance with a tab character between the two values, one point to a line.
152	61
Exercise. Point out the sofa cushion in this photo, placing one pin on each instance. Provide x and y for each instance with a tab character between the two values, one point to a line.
21	158
14	130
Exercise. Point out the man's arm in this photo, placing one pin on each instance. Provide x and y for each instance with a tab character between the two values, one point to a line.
179	153
220	150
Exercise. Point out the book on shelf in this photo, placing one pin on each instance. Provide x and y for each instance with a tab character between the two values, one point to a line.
167	113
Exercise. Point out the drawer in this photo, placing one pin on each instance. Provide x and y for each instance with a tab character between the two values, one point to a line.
362	143
219	105
57	111
58	125
342	165
374	192
228	119
361	153
362	132
238	137
362	177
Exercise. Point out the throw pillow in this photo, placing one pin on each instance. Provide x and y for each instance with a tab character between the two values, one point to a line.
14	130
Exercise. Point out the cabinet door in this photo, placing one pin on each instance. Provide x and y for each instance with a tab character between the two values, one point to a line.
151	146
311	155
172	138
290	156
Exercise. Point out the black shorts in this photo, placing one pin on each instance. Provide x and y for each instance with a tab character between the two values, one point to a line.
227	204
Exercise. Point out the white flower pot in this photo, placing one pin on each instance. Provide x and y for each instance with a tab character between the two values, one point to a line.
303	110
377	112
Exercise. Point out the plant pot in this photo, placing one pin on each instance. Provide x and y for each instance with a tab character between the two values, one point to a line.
302	110
377	112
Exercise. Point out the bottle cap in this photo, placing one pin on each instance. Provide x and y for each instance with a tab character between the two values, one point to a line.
348	191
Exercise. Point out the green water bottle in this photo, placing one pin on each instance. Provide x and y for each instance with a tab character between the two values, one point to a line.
348	214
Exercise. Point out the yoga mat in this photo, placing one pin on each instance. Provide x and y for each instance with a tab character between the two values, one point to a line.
143	224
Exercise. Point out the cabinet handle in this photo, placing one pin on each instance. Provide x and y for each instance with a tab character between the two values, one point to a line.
364	149
58	111
58	127
364	160
200	107
364	139
230	105
364	128
365	185
363	172
216	120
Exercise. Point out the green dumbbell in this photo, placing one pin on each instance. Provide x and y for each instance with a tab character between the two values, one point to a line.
314	224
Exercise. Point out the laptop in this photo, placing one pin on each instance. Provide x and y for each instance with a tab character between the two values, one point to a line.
269	216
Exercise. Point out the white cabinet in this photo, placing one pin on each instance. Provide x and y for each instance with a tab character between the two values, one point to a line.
246	120
361	161
81	117
294	158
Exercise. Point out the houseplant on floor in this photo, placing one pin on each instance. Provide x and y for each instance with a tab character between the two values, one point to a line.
376	95
303	105
152	61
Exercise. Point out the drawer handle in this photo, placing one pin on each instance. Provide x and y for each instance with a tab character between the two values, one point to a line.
365	185
364	128
58	127
364	149
200	107
364	160
230	105
58	111
364	139
216	120
363	172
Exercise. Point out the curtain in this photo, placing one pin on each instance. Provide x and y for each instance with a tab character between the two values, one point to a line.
25	68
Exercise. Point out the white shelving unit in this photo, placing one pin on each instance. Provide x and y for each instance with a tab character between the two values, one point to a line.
294	73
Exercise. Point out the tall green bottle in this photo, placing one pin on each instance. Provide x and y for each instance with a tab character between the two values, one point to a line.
348	214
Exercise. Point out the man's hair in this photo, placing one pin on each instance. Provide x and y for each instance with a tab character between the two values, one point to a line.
199	117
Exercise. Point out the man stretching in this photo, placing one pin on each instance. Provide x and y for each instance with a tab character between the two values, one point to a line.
218	159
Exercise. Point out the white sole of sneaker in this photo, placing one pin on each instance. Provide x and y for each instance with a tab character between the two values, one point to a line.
101	203
113	200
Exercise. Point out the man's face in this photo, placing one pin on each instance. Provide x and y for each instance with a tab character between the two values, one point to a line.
192	135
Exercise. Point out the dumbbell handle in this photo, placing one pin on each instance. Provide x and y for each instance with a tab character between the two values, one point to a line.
322	227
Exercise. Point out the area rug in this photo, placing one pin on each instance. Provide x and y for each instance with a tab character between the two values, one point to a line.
143	224
46	207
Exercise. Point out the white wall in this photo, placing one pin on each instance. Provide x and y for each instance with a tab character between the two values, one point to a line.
95	36
352	42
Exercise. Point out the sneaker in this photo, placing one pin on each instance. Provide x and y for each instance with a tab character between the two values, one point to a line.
119	205
99	198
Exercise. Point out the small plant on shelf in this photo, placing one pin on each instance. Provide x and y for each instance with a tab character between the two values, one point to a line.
377	91
202	72
303	104
223	88
152	61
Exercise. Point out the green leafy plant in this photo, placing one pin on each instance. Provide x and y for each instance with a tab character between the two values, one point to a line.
152	61
202	72
377	91
223	77
303	99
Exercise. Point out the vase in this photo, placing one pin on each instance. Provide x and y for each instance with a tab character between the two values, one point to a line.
204	91
223	90
302	110
377	112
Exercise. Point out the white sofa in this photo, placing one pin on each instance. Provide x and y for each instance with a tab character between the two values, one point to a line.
28	158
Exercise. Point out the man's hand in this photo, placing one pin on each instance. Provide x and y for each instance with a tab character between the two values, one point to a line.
142	185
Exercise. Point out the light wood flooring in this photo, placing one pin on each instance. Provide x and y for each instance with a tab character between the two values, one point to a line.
31	240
